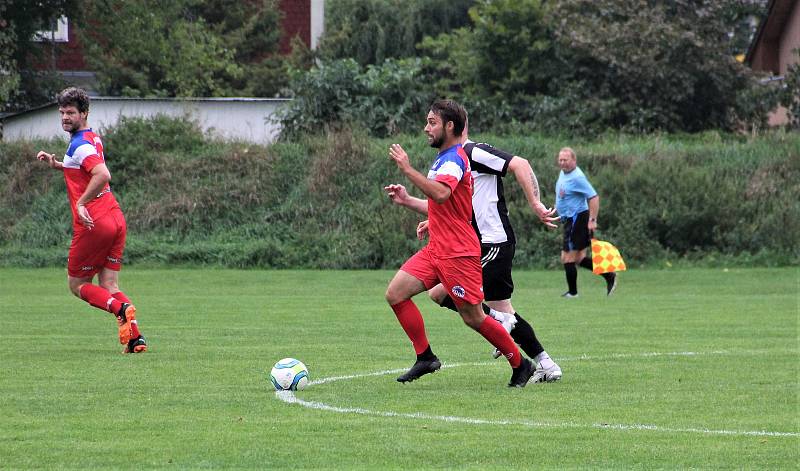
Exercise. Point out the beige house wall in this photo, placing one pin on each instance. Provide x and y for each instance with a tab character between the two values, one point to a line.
790	40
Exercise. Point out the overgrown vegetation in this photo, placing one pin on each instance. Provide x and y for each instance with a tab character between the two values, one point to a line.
575	66
318	201
559	66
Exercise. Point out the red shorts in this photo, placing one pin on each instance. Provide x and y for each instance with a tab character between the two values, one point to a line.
97	248
460	275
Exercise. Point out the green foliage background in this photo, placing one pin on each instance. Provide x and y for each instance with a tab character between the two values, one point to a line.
318	202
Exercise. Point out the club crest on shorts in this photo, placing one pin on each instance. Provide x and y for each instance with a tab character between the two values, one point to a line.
459	291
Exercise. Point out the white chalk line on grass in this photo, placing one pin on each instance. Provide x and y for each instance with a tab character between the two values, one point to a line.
290	398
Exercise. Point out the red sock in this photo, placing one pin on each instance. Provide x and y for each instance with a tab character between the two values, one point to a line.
120	296
411	320
100	298
497	336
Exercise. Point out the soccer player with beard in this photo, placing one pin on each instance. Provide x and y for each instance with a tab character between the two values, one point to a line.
452	256
98	224
498	242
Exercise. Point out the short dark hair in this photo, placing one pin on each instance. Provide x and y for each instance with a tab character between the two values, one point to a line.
76	97
449	110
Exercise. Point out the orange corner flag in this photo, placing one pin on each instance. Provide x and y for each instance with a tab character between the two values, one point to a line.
606	258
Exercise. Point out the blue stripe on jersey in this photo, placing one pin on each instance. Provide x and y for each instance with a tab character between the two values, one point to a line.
450	155
77	140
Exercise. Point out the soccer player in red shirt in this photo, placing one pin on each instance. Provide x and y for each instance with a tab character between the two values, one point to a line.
452	256
98	225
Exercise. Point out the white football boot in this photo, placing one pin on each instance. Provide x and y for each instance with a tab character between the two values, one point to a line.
546	375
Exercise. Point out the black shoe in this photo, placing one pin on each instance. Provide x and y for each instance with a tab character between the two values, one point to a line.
137	345
611	284
521	374
420	368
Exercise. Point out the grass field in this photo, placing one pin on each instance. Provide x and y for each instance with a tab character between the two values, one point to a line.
679	369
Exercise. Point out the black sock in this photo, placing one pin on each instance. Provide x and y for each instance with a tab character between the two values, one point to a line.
427	355
572	277
449	303
587	263
525	337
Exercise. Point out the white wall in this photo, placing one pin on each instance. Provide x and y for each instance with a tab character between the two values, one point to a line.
317	22
231	118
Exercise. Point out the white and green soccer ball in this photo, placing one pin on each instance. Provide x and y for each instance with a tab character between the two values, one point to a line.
289	375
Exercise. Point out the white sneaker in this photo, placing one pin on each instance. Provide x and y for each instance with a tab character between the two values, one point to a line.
508	321
569	295
546	375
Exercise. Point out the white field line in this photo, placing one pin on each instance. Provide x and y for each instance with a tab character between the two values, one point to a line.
290	398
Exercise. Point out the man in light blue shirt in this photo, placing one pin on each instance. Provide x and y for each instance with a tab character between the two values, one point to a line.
577	204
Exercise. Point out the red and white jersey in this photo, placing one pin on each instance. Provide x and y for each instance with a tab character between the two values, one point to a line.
85	151
450	223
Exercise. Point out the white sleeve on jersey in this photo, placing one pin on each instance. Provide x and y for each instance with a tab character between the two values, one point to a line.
78	155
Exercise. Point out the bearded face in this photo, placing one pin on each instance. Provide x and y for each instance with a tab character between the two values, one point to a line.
72	120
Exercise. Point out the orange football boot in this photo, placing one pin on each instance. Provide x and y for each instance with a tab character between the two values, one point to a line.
126	314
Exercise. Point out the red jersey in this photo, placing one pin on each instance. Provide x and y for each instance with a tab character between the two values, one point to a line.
84	153
450	223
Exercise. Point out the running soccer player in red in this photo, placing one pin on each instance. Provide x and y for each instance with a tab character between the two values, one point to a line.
452	256
98	225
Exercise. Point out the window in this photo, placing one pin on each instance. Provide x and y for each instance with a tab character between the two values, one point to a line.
59	33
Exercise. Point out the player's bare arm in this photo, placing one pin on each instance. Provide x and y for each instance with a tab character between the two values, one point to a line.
437	191
100	178
399	196
594	209
523	172
50	159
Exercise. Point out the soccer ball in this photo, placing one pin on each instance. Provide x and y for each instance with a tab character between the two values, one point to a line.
289	375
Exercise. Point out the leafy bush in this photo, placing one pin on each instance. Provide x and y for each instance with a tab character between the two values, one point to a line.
383	100
318	201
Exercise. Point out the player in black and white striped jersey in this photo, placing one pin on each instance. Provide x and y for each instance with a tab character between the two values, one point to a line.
490	221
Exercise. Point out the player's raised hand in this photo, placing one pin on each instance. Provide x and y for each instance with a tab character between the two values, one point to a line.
49	158
399	156
546	216
397	193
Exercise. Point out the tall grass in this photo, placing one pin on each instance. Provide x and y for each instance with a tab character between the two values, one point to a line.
317	202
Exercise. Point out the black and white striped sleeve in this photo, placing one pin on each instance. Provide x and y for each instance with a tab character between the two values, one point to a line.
487	159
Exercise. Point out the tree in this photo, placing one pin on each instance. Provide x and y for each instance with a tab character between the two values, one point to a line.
23	85
667	65
8	67
185	47
382	99
251	30
148	47
371	31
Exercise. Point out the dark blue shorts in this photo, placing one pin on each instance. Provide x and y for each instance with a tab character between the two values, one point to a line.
576	232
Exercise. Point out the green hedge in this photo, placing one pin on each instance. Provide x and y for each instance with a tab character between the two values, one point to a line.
317	202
